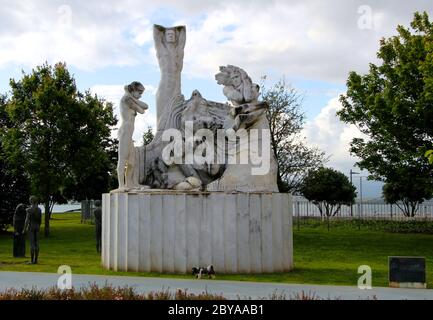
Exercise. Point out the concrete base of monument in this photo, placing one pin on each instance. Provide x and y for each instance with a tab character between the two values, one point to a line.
172	232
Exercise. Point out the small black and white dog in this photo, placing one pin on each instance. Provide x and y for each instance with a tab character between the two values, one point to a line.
200	272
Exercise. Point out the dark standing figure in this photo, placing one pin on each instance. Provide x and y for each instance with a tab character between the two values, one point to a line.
97	212
32	226
19	237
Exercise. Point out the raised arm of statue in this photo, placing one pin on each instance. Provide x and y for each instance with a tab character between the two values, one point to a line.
181	37
169	45
175	37
158	36
159	28
130	102
141	105
135	104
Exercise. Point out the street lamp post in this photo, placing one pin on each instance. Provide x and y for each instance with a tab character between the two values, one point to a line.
351	182
360	195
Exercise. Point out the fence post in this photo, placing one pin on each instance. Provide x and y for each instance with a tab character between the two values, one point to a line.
306	208
359	216
83	210
92	206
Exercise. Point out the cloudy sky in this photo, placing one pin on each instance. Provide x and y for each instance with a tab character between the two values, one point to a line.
312	44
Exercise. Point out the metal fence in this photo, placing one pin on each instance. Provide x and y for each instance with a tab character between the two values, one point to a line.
364	211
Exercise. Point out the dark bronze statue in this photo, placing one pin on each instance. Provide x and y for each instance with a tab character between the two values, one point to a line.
97	212
19	237
32	227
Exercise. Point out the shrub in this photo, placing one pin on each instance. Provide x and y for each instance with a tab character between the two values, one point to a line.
107	292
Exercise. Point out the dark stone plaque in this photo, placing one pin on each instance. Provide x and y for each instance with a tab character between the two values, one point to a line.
406	270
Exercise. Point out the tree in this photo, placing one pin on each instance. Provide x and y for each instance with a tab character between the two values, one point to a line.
286	121
59	136
408	189
429	156
328	189
14	186
95	146
393	104
148	136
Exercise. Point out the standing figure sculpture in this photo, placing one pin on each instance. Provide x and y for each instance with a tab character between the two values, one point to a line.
97	213
19	237
32	226
130	105
170	46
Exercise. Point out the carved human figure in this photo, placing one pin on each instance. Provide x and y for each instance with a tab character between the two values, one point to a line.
170	46
97	213
130	105
32	226
19	249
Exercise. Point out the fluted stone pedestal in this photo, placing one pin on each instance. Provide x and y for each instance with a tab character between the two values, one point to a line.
171	232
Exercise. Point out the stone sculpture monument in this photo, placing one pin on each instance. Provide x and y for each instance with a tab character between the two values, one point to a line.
32	226
169	45
212	195
130	105
19	237
246	115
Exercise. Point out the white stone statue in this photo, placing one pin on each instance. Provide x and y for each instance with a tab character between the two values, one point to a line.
247	115
130	105
238	86
170	45
243	112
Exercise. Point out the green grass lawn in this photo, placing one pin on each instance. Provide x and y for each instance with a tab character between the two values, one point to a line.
321	256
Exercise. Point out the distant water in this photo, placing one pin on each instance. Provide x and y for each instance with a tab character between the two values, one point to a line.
62	208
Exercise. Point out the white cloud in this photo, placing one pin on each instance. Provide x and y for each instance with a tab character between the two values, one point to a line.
142	32
331	135
84	34
314	40
327	132
113	93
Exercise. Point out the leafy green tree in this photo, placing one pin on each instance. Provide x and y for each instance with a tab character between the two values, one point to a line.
328	189
429	156
408	189
93	146
286	121
393	104
148	136
61	137
14	185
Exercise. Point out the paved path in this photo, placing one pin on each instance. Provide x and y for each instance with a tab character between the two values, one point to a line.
229	289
